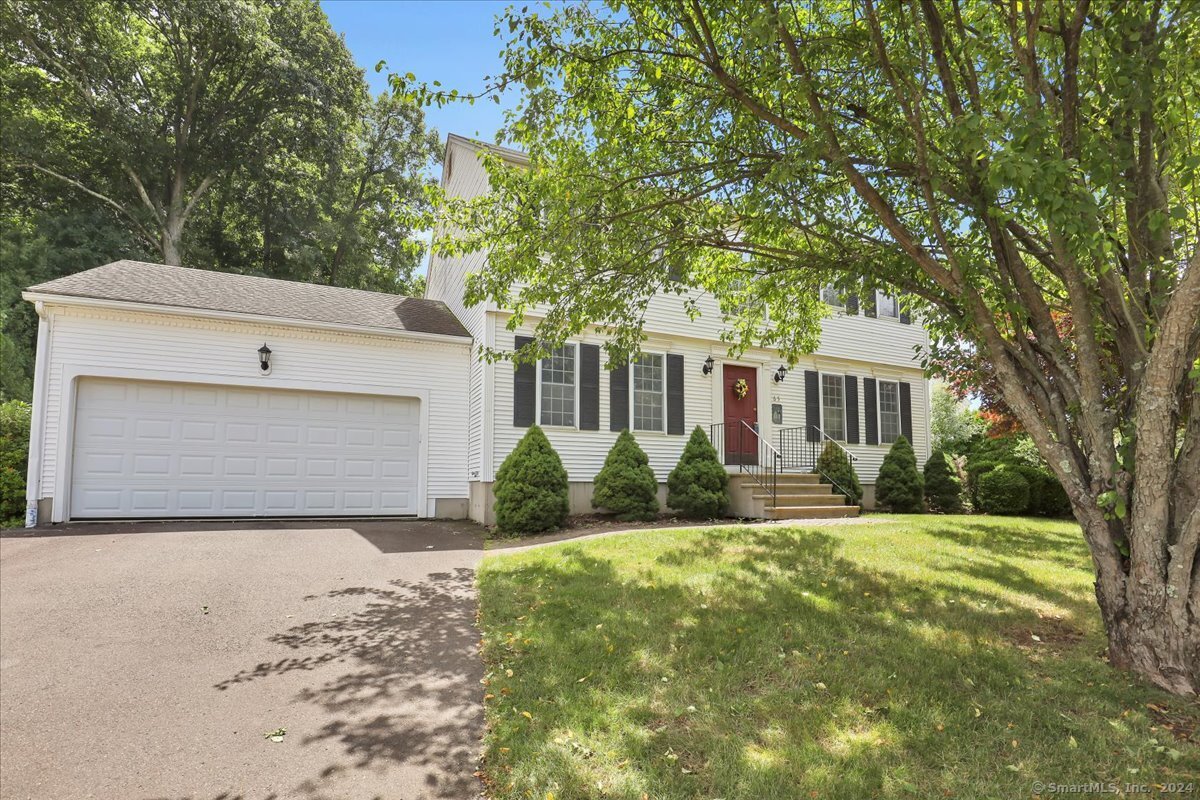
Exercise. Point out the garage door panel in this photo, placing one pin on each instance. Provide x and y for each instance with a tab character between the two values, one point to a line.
182	450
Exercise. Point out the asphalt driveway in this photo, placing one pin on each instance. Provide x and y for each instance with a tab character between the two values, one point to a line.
148	660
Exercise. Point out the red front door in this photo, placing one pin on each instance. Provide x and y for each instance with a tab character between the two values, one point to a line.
741	446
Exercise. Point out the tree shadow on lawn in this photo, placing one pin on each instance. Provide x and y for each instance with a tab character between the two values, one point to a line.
410	692
1015	537
762	664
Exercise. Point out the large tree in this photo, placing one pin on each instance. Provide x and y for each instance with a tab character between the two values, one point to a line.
152	102
1003	164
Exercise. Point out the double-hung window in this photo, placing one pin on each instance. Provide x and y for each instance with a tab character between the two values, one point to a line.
558	387
886	305
649	393
889	411
831	296
833	406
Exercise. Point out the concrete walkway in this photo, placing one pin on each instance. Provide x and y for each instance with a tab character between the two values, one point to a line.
148	660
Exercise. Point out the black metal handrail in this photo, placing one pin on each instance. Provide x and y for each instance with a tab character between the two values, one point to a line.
801	446
762	463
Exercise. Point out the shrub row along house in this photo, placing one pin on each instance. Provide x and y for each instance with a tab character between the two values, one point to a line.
172	392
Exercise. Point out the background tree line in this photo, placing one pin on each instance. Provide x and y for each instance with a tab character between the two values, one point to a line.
235	135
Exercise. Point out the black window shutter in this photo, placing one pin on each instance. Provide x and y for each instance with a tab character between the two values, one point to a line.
905	315
906	411
674	394
618	398
851	409
869	305
871	411
589	387
812	404
852	304
524	389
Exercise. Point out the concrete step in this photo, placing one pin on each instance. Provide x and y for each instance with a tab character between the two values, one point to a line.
804	499
811	512
783	477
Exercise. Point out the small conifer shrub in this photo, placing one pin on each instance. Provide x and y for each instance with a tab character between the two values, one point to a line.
833	466
943	489
531	487
699	485
900	487
626	485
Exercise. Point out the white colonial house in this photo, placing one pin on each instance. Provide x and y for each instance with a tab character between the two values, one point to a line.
862	387
167	392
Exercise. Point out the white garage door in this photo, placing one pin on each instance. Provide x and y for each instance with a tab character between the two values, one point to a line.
147	449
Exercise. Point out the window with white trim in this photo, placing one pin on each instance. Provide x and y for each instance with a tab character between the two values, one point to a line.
649	393
833	406
889	411
558	387
886	305
831	296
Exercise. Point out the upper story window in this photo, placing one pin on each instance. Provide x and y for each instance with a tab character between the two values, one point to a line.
886	305
558	387
889	412
833	406
831	296
649	393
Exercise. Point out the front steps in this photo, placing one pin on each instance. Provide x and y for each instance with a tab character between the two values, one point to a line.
798	496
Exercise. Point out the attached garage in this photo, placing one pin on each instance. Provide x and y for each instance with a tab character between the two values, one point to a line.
165	392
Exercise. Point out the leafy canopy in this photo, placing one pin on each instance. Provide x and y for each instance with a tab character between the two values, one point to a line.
1025	172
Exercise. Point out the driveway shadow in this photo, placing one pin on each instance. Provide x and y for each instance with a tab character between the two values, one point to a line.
406	687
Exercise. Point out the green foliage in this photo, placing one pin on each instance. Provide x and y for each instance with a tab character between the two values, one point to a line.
1003	490
952	424
14	459
1046	495
943	489
699	485
900	487
626	485
255	148
532	493
976	468
835	468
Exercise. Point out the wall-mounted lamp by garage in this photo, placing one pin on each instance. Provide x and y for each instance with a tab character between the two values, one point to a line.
780	373
708	366
264	358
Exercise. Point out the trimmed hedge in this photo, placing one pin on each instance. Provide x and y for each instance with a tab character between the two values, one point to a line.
834	467
1003	490
15	416
699	484
900	487
531	487
943	489
626	485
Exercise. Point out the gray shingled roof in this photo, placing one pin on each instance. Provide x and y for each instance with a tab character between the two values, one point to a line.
182	287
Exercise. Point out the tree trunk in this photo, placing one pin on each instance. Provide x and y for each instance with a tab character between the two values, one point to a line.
1145	637
172	238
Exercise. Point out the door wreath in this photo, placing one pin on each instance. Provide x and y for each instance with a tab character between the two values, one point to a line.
741	389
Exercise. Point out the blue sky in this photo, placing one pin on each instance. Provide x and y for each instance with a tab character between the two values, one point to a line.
449	41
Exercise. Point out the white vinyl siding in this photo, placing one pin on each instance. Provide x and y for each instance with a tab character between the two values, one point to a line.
889	412
557	399
649	393
833	406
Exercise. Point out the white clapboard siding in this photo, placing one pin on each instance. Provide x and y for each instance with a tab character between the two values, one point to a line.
151	346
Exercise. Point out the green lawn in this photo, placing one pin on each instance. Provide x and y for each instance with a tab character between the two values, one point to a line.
917	657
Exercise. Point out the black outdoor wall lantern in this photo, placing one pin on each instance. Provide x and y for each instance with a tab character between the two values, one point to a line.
264	357
708	366
780	373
